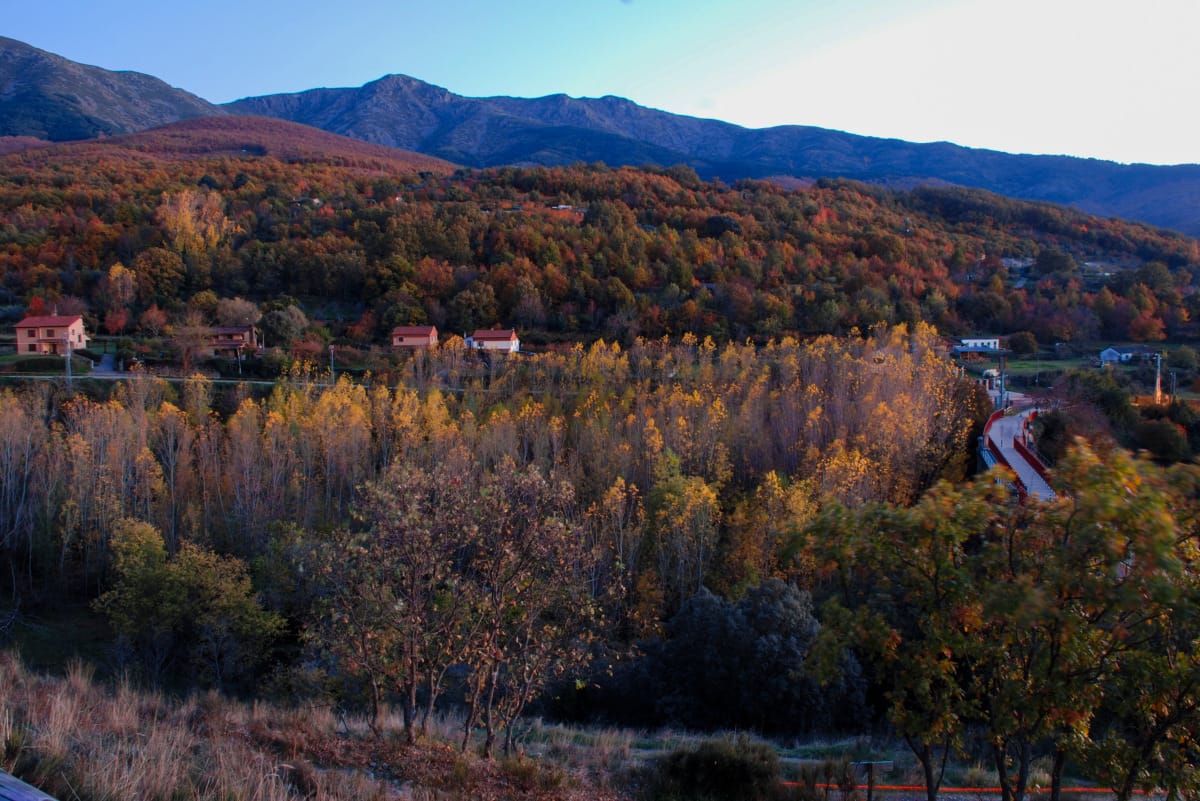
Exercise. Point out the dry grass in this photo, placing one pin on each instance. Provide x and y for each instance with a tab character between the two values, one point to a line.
77	739
603	755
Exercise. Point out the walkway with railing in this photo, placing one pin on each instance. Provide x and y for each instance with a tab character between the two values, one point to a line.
1006	440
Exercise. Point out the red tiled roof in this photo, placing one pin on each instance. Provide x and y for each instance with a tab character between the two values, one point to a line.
42	322
492	336
413	331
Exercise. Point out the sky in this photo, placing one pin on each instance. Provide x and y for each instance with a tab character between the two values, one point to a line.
1090	78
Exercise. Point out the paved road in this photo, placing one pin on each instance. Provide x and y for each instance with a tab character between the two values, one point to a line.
1002	432
106	366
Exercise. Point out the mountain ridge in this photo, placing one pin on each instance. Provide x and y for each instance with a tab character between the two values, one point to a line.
49	97
402	111
233	136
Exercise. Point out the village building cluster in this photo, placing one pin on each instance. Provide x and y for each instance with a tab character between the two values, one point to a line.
60	334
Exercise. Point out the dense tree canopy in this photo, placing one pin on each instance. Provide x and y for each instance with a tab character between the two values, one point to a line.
576	252
1026	624
736	458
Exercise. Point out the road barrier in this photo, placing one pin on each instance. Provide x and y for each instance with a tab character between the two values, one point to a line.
977	791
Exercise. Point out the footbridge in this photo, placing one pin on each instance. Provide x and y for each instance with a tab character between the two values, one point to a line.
1006	440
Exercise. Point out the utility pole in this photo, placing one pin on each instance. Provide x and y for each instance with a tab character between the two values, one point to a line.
332	372
1158	379
67	340
1003	383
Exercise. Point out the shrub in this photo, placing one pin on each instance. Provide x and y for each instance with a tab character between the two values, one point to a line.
831	779
195	606
739	665
50	363
728	769
1165	441
1183	358
1023	343
529	775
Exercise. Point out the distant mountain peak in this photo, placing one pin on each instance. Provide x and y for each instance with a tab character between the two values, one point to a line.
48	97
399	79
560	129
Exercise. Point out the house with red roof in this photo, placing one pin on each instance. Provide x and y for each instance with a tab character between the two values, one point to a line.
501	339
51	334
414	336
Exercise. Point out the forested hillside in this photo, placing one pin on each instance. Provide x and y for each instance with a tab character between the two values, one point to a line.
726	484
364	242
557	130
622	535
48	97
574	501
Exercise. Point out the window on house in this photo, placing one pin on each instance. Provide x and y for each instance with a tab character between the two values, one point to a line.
49	332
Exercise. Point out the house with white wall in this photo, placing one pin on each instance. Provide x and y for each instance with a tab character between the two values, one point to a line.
1126	354
980	342
504	340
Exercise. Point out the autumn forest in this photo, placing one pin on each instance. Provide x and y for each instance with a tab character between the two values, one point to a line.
572	253
730	483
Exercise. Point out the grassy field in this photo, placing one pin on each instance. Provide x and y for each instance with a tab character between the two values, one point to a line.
77	737
74	737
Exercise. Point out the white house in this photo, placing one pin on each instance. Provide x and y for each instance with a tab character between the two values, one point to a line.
980	342
499	339
1126	354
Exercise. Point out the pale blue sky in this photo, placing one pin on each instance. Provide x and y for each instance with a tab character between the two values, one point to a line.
1095	78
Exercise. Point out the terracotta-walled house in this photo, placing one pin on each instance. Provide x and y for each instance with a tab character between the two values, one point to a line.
498	339
51	334
414	336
